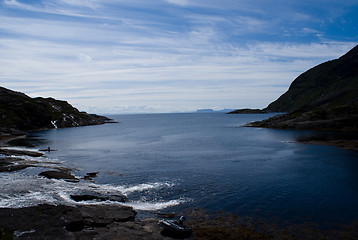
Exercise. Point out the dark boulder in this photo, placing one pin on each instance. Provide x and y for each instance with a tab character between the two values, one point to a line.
88	196
59	175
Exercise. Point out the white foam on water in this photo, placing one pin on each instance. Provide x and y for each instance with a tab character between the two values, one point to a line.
20	190
154	206
21	149
126	190
19	233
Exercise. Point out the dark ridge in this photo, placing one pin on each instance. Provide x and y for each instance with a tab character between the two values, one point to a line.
323	98
20	113
330	84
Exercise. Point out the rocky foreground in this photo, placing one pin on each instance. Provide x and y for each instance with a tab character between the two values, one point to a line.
109	220
80	222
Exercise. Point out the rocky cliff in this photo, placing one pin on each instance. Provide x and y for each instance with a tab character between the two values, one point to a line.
323	98
19	112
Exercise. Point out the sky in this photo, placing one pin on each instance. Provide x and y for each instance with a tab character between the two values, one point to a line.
157	56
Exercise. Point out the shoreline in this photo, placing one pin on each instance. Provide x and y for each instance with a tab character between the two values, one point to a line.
87	222
46	221
76	222
341	142
6	139
59	221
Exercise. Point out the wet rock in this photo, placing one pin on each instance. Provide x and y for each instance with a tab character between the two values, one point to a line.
59	175
89	176
11	164
81	222
88	196
100	216
40	222
92	174
10	152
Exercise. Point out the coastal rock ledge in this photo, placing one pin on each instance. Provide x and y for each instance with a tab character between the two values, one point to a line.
81	222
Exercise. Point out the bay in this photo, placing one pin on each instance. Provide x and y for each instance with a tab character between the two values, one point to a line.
173	162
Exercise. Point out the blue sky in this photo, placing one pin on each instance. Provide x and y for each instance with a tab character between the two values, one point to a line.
116	56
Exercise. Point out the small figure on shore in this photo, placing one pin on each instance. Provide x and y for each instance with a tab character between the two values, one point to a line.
181	220
48	149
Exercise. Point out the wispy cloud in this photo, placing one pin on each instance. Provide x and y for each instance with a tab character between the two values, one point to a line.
112	56
178	2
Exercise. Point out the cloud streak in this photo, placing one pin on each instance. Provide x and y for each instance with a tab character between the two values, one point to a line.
112	56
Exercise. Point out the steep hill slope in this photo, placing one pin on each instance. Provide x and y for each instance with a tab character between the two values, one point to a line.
323	98
330	84
19	112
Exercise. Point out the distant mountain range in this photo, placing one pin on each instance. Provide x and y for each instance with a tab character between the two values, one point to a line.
322	98
19	113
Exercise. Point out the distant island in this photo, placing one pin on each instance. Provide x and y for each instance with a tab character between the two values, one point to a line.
208	110
21	113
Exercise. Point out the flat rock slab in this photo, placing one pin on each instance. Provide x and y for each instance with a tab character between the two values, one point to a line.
15	152
12	164
82	222
88	196
38	222
100	216
59	175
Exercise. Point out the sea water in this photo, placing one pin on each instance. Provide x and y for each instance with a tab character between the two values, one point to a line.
174	162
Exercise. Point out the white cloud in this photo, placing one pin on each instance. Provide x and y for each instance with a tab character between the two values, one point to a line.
117	62
84	58
178	2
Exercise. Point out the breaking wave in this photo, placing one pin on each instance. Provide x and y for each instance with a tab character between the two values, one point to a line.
154	206
20	190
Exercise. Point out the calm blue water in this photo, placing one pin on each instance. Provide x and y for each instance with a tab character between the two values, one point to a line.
171	162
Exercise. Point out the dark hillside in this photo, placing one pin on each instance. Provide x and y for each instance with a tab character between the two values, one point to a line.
323	98
330	84
19	112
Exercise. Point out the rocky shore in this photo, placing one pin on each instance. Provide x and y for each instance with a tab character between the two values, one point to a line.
339	123
111	220
76	222
83	221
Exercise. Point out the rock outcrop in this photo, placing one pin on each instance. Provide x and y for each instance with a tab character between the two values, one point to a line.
323	98
247	111
59	175
20	113
330	84
81	222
